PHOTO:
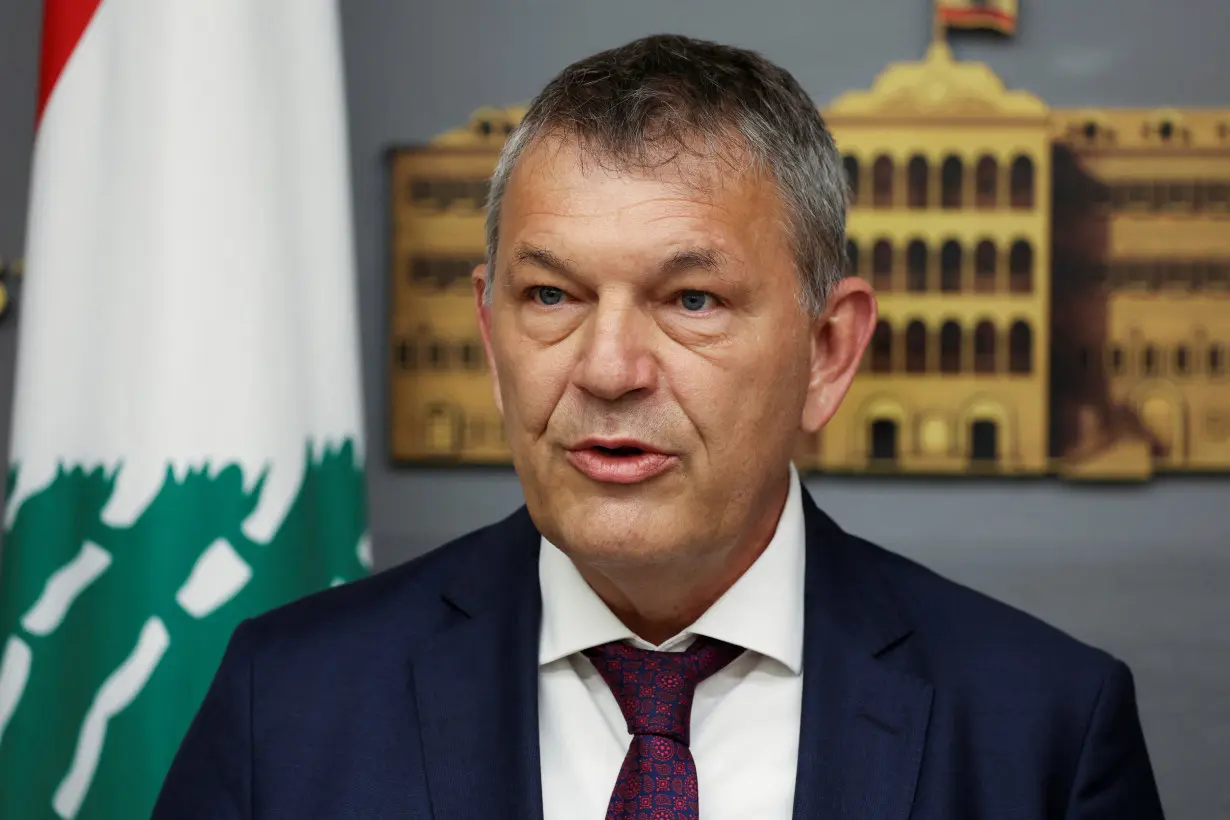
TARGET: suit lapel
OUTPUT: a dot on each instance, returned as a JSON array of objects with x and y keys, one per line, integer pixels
[
  {"x": 476, "y": 685},
  {"x": 864, "y": 720}
]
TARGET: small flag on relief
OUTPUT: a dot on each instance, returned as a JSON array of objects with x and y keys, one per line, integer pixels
[{"x": 996, "y": 15}]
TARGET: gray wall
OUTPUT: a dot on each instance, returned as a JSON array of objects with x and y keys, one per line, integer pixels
[
  {"x": 1143, "y": 572},
  {"x": 19, "y": 30}
]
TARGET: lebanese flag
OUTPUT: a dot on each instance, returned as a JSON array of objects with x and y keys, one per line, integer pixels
[
  {"x": 996, "y": 15},
  {"x": 187, "y": 436}
]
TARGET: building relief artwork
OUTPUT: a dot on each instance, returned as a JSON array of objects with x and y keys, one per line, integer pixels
[{"x": 1054, "y": 285}]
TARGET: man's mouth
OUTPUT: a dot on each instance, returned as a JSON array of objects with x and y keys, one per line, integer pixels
[
  {"x": 618, "y": 451},
  {"x": 619, "y": 461}
]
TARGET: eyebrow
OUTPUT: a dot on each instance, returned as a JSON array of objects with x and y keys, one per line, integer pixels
[
  {"x": 706, "y": 259},
  {"x": 525, "y": 254}
]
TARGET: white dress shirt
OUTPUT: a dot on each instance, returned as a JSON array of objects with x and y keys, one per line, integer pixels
[{"x": 745, "y": 718}]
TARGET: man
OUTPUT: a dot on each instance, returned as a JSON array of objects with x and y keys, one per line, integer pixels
[{"x": 670, "y": 628}]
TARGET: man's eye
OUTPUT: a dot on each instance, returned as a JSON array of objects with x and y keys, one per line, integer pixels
[
  {"x": 547, "y": 295},
  {"x": 696, "y": 300}
]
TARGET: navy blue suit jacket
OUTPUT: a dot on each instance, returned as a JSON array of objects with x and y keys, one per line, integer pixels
[{"x": 413, "y": 694}]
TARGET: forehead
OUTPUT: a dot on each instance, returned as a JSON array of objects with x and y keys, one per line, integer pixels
[{"x": 560, "y": 191}]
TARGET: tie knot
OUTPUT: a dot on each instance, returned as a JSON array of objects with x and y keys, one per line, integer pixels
[{"x": 655, "y": 689}]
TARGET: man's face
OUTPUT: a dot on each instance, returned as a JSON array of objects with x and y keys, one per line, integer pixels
[{"x": 650, "y": 353}]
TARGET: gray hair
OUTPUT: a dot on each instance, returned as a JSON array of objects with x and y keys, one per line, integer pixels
[{"x": 644, "y": 103}]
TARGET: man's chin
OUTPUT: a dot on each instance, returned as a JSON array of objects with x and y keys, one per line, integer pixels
[{"x": 624, "y": 529}]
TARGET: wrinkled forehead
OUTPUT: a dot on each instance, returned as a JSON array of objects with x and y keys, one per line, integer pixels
[{"x": 695, "y": 166}]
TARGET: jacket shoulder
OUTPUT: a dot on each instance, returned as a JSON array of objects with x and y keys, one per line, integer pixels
[
  {"x": 402, "y": 603},
  {"x": 1053, "y": 718},
  {"x": 966, "y": 633}
]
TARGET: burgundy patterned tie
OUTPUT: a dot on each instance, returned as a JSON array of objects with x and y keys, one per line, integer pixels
[{"x": 654, "y": 689}]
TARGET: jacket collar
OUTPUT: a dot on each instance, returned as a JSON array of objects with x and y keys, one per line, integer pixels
[
  {"x": 864, "y": 721},
  {"x": 476, "y": 681}
]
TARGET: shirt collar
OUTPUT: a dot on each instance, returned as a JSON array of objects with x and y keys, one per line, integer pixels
[{"x": 762, "y": 611}]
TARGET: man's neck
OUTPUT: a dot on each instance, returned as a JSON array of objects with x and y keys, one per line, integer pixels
[{"x": 659, "y": 601}]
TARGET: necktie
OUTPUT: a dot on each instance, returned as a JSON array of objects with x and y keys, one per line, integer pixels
[{"x": 654, "y": 689}]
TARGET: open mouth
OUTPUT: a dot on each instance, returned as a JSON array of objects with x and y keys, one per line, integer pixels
[
  {"x": 618, "y": 451},
  {"x": 620, "y": 463}
]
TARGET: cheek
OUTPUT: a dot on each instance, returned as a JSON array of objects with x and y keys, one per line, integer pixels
[
  {"x": 533, "y": 379},
  {"x": 739, "y": 395},
  {"x": 710, "y": 391}
]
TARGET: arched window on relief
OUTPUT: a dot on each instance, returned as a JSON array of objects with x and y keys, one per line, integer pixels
[
  {"x": 1093, "y": 132},
  {"x": 882, "y": 266},
  {"x": 986, "y": 182},
  {"x": 1149, "y": 361},
  {"x": 1020, "y": 348},
  {"x": 916, "y": 347},
  {"x": 1117, "y": 360},
  {"x": 952, "y": 182},
  {"x": 1021, "y": 183},
  {"x": 916, "y": 266},
  {"x": 850, "y": 163},
  {"x": 882, "y": 348},
  {"x": 950, "y": 348},
  {"x": 984, "y": 347},
  {"x": 1217, "y": 359},
  {"x": 985, "y": 258},
  {"x": 419, "y": 191},
  {"x": 472, "y": 355},
  {"x": 950, "y": 267},
  {"x": 449, "y": 192},
  {"x": 882, "y": 182},
  {"x": 852, "y": 268},
  {"x": 437, "y": 355},
  {"x": 407, "y": 354},
  {"x": 1182, "y": 361},
  {"x": 1021, "y": 267},
  {"x": 916, "y": 176}
]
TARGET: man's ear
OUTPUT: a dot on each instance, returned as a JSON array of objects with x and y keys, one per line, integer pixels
[
  {"x": 838, "y": 338},
  {"x": 482, "y": 312}
]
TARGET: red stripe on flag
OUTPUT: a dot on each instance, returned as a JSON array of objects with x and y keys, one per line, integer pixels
[
  {"x": 993, "y": 18},
  {"x": 64, "y": 22}
]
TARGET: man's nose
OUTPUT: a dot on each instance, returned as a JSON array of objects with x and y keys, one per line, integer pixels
[{"x": 618, "y": 357}]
